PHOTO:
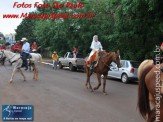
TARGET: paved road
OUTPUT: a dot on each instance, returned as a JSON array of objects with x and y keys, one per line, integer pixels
[{"x": 60, "y": 96}]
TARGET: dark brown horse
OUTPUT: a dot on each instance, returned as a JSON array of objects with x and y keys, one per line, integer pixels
[
  {"x": 150, "y": 91},
  {"x": 102, "y": 68}
]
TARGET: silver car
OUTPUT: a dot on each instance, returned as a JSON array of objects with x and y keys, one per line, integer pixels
[{"x": 126, "y": 73}]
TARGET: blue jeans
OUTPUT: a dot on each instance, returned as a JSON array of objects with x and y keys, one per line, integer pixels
[
  {"x": 54, "y": 64},
  {"x": 24, "y": 57}
]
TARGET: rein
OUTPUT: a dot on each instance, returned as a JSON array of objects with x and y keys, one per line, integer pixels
[
  {"x": 10, "y": 58},
  {"x": 106, "y": 63}
]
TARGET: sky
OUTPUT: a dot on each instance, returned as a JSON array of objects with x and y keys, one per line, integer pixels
[{"x": 7, "y": 25}]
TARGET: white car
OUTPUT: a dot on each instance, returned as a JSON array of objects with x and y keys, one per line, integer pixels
[{"x": 126, "y": 73}]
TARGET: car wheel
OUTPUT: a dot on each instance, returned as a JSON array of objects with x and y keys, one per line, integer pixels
[
  {"x": 60, "y": 65},
  {"x": 71, "y": 67},
  {"x": 124, "y": 78}
]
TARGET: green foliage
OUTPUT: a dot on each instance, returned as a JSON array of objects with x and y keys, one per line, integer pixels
[{"x": 133, "y": 26}]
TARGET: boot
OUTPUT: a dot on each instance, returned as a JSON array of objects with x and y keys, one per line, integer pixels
[{"x": 91, "y": 65}]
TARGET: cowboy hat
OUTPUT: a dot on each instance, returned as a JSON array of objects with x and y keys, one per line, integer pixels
[
  {"x": 54, "y": 52},
  {"x": 23, "y": 39}
]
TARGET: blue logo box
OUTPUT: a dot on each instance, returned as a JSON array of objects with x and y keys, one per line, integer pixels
[{"x": 17, "y": 112}]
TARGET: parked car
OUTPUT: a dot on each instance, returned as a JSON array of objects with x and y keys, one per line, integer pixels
[
  {"x": 126, "y": 73},
  {"x": 72, "y": 62}
]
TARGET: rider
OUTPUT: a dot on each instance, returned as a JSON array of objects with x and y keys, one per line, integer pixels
[
  {"x": 17, "y": 47},
  {"x": 95, "y": 46},
  {"x": 25, "y": 52},
  {"x": 34, "y": 47},
  {"x": 2, "y": 47}
]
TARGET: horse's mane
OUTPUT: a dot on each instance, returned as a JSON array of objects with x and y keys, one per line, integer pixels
[{"x": 107, "y": 54}]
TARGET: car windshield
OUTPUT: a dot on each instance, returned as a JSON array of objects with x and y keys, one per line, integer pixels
[{"x": 135, "y": 64}]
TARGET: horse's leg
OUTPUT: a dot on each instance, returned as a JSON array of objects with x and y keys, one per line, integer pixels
[
  {"x": 99, "y": 81},
  {"x": 36, "y": 77},
  {"x": 13, "y": 73},
  {"x": 22, "y": 74},
  {"x": 86, "y": 70},
  {"x": 89, "y": 75},
  {"x": 104, "y": 84},
  {"x": 34, "y": 74}
]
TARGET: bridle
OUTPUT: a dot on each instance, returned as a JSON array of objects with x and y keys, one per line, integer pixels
[
  {"x": 5, "y": 56},
  {"x": 106, "y": 63}
]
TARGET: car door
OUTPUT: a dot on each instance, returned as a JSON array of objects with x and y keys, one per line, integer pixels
[
  {"x": 64, "y": 59},
  {"x": 118, "y": 71},
  {"x": 113, "y": 68},
  {"x": 123, "y": 68},
  {"x": 69, "y": 58}
]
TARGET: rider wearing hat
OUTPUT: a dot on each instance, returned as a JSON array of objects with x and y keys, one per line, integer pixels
[
  {"x": 25, "y": 52},
  {"x": 55, "y": 58}
]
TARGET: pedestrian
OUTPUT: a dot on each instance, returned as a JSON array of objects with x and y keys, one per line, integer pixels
[
  {"x": 55, "y": 59},
  {"x": 25, "y": 52}
]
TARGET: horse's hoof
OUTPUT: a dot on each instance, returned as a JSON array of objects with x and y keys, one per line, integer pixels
[
  {"x": 10, "y": 82},
  {"x": 105, "y": 93},
  {"x": 91, "y": 90},
  {"x": 94, "y": 88}
]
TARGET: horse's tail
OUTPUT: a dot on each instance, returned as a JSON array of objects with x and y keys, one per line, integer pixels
[{"x": 143, "y": 93}]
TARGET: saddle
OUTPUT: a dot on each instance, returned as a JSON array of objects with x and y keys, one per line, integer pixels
[{"x": 96, "y": 56}]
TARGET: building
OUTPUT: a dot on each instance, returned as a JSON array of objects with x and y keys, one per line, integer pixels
[
  {"x": 10, "y": 38},
  {"x": 2, "y": 38}
]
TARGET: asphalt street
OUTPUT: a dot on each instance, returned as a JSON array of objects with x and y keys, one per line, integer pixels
[{"x": 60, "y": 96}]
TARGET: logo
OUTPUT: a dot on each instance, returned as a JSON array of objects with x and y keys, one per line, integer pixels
[{"x": 17, "y": 112}]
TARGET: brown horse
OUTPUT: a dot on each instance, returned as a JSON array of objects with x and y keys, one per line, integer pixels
[
  {"x": 150, "y": 80},
  {"x": 102, "y": 68}
]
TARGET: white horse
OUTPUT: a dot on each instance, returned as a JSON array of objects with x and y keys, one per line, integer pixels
[{"x": 15, "y": 58}]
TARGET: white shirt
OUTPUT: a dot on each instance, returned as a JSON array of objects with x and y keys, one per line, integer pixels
[
  {"x": 26, "y": 47},
  {"x": 95, "y": 46}
]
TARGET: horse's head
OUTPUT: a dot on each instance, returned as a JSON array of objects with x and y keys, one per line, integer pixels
[
  {"x": 117, "y": 58},
  {"x": 2, "y": 55}
]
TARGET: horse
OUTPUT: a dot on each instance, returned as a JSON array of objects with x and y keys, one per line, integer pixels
[
  {"x": 102, "y": 67},
  {"x": 150, "y": 91},
  {"x": 15, "y": 58}
]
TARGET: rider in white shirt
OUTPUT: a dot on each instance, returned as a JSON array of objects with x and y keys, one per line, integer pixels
[
  {"x": 25, "y": 52},
  {"x": 95, "y": 46}
]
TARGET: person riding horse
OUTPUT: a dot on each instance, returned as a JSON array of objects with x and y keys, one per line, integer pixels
[
  {"x": 96, "y": 47},
  {"x": 25, "y": 52}
]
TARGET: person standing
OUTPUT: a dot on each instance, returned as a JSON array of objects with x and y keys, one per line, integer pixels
[
  {"x": 25, "y": 52},
  {"x": 55, "y": 58}
]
